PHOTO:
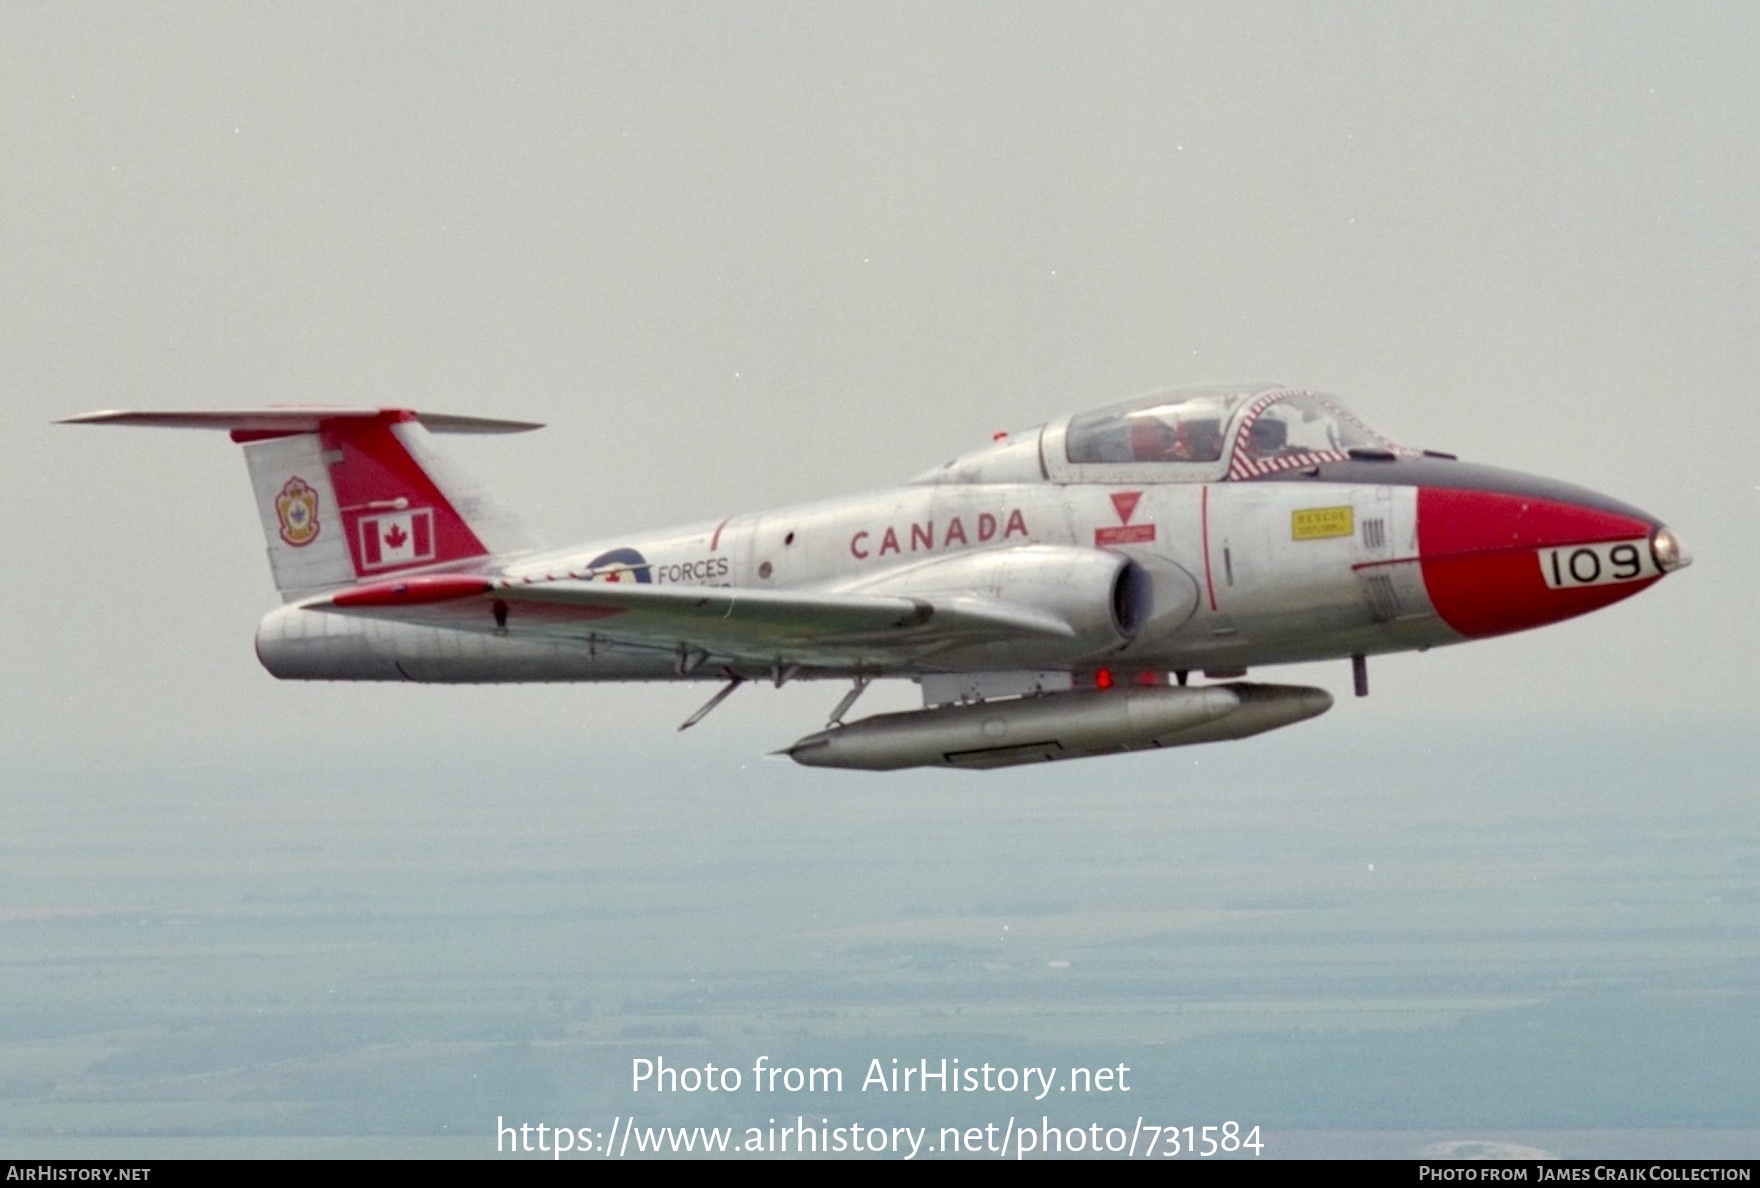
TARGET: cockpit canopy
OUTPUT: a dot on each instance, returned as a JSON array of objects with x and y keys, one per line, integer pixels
[
  {"x": 1171, "y": 427},
  {"x": 1188, "y": 435}
]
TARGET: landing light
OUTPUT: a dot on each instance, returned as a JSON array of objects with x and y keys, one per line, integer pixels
[{"x": 1670, "y": 554}]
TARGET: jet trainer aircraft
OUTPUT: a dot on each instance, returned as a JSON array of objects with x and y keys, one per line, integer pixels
[{"x": 1052, "y": 593}]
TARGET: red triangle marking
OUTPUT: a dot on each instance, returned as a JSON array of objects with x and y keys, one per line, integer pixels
[{"x": 1125, "y": 502}]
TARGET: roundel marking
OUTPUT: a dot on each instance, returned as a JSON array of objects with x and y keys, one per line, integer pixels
[{"x": 620, "y": 565}]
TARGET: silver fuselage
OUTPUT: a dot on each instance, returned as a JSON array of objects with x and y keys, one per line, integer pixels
[{"x": 1231, "y": 586}]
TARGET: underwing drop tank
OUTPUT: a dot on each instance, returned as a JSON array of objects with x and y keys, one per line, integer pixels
[{"x": 1070, "y": 725}]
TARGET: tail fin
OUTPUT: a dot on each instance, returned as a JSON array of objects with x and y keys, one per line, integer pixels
[{"x": 347, "y": 494}]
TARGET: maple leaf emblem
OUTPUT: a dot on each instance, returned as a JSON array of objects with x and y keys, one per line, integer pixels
[{"x": 396, "y": 536}]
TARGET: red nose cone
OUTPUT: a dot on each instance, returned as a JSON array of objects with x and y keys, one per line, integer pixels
[{"x": 1497, "y": 561}]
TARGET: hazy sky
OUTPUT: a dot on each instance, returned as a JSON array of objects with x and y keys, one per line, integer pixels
[{"x": 739, "y": 255}]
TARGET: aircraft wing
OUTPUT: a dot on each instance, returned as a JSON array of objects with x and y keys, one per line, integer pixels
[
  {"x": 729, "y": 622},
  {"x": 781, "y": 614}
]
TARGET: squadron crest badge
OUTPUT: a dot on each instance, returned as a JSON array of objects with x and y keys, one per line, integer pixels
[{"x": 297, "y": 509}]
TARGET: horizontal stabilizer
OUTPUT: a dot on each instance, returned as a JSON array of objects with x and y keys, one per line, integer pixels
[
  {"x": 296, "y": 419},
  {"x": 350, "y": 495}
]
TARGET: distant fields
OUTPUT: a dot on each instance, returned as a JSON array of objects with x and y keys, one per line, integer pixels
[{"x": 238, "y": 956}]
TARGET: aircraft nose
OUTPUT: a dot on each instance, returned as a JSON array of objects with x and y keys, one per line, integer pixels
[{"x": 1504, "y": 552}]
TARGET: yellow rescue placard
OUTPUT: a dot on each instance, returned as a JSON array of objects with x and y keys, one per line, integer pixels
[{"x": 1315, "y": 523}]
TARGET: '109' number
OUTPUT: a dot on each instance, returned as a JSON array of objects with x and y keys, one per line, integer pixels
[{"x": 1597, "y": 565}]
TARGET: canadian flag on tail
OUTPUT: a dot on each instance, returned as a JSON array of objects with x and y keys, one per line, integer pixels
[{"x": 399, "y": 538}]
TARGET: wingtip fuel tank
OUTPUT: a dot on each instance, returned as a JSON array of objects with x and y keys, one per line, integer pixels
[{"x": 1055, "y": 726}]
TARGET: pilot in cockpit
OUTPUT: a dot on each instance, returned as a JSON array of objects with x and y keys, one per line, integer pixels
[
  {"x": 1178, "y": 440},
  {"x": 1203, "y": 440},
  {"x": 1268, "y": 437}
]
